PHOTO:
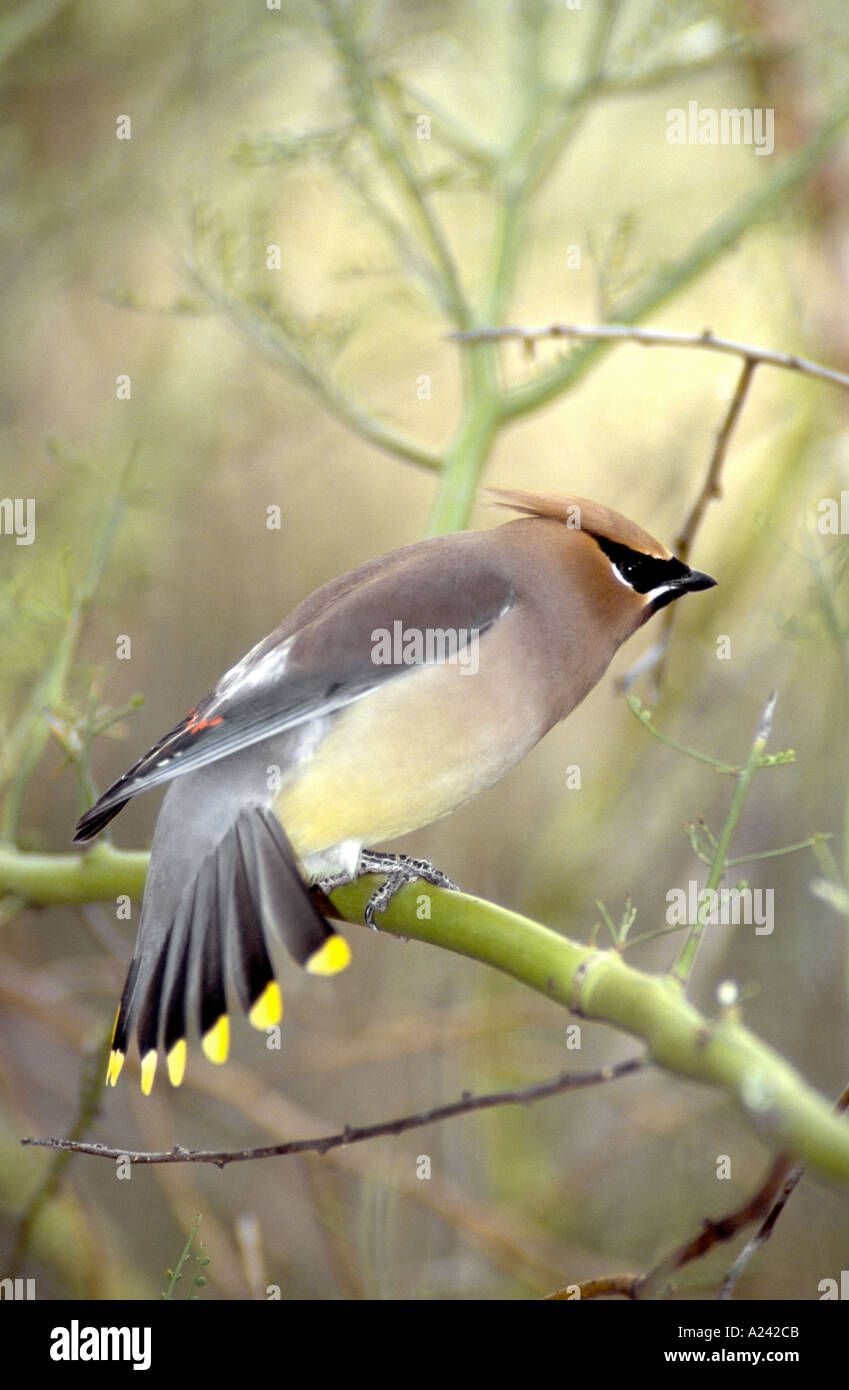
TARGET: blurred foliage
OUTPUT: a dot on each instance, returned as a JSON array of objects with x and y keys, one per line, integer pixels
[{"x": 299, "y": 128}]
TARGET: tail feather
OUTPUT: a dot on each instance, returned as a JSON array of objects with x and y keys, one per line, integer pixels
[
  {"x": 173, "y": 1003},
  {"x": 147, "y": 1026},
  {"x": 305, "y": 933},
  {"x": 208, "y": 965},
  {"x": 250, "y": 966},
  {"x": 247, "y": 887}
]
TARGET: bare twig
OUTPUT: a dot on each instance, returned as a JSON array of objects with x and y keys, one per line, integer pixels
[
  {"x": 635, "y": 1286},
  {"x": 714, "y": 1232},
  {"x": 762, "y": 1234},
  {"x": 567, "y": 1081},
  {"x": 711, "y": 486},
  {"x": 654, "y": 337},
  {"x": 710, "y": 490}
]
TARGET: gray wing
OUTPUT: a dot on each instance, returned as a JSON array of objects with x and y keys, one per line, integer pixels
[{"x": 299, "y": 673}]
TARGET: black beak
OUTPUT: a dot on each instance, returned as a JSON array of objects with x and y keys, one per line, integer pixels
[
  {"x": 694, "y": 579},
  {"x": 686, "y": 582}
]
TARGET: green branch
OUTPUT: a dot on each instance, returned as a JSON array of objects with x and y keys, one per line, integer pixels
[
  {"x": 466, "y": 455},
  {"x": 593, "y": 983},
  {"x": 599, "y": 985},
  {"x": 48, "y": 880}
]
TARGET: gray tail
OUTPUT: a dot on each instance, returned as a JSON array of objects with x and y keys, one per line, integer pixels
[{"x": 246, "y": 889}]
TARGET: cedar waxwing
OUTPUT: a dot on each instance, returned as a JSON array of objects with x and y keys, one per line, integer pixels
[{"x": 389, "y": 698}]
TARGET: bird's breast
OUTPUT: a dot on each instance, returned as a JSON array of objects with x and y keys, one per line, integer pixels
[{"x": 414, "y": 749}]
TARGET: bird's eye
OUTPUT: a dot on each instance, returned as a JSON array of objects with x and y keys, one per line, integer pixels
[
  {"x": 627, "y": 567},
  {"x": 642, "y": 572}
]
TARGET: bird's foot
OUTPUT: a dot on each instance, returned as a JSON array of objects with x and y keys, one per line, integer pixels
[{"x": 399, "y": 869}]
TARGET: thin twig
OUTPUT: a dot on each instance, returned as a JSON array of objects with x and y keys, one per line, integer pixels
[
  {"x": 762, "y": 1234},
  {"x": 683, "y": 967},
  {"x": 710, "y": 490},
  {"x": 636, "y": 1286},
  {"x": 715, "y": 1232},
  {"x": 567, "y": 1081},
  {"x": 654, "y": 337},
  {"x": 711, "y": 487}
]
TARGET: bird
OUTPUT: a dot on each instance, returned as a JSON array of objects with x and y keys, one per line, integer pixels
[{"x": 387, "y": 699}]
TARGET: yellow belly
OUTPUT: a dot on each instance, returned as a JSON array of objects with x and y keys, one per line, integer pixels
[{"x": 411, "y": 751}]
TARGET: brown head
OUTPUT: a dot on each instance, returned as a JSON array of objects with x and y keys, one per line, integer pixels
[{"x": 621, "y": 554}]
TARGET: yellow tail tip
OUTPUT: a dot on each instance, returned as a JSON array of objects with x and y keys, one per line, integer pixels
[
  {"x": 176, "y": 1061},
  {"x": 216, "y": 1042},
  {"x": 268, "y": 1008},
  {"x": 113, "y": 1071},
  {"x": 148, "y": 1071},
  {"x": 330, "y": 958}
]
